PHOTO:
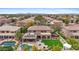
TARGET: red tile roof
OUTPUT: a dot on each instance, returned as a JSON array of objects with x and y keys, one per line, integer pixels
[
  {"x": 72, "y": 27},
  {"x": 39, "y": 28}
]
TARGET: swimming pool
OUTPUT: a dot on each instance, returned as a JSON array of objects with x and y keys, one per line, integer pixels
[
  {"x": 8, "y": 43},
  {"x": 26, "y": 47}
]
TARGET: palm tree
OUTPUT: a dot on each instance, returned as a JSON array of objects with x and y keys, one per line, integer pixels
[{"x": 19, "y": 36}]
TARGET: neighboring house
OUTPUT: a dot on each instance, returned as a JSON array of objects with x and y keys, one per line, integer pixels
[
  {"x": 25, "y": 22},
  {"x": 56, "y": 24},
  {"x": 48, "y": 18},
  {"x": 8, "y": 32},
  {"x": 72, "y": 21},
  {"x": 38, "y": 32},
  {"x": 4, "y": 20},
  {"x": 71, "y": 31}
]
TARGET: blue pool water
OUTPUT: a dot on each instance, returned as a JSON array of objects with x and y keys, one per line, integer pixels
[{"x": 9, "y": 43}]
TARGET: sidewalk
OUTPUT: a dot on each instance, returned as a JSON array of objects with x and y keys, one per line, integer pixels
[{"x": 61, "y": 39}]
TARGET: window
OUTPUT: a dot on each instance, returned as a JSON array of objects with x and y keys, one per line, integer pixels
[
  {"x": 2, "y": 31},
  {"x": 1, "y": 37},
  {"x": 34, "y": 31},
  {"x": 9, "y": 36},
  {"x": 74, "y": 31},
  {"x": 72, "y": 21},
  {"x": 48, "y": 36},
  {"x": 76, "y": 37},
  {"x": 12, "y": 37},
  {"x": 7, "y": 31},
  {"x": 5, "y": 37},
  {"x": 38, "y": 37},
  {"x": 43, "y": 31},
  {"x": 12, "y": 32}
]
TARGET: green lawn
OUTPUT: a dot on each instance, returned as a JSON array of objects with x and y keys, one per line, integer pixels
[{"x": 51, "y": 43}]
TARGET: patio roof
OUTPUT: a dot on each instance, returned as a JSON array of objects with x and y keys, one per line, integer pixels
[
  {"x": 45, "y": 33},
  {"x": 7, "y": 34}
]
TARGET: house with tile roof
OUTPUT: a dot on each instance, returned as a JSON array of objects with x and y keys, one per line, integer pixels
[
  {"x": 38, "y": 32},
  {"x": 71, "y": 31},
  {"x": 25, "y": 22},
  {"x": 4, "y": 20},
  {"x": 8, "y": 32}
]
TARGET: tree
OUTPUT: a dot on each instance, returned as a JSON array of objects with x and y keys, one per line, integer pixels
[
  {"x": 30, "y": 23},
  {"x": 74, "y": 42},
  {"x": 56, "y": 48},
  {"x": 40, "y": 20},
  {"x": 27, "y": 16},
  {"x": 34, "y": 48},
  {"x": 23, "y": 30},
  {"x": 19, "y": 35},
  {"x": 57, "y": 29},
  {"x": 77, "y": 20},
  {"x": 39, "y": 17},
  {"x": 21, "y": 18},
  {"x": 13, "y": 20},
  {"x": 66, "y": 21}
]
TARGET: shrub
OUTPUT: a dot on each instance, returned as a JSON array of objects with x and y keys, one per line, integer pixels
[
  {"x": 6, "y": 48},
  {"x": 74, "y": 43},
  {"x": 56, "y": 48}
]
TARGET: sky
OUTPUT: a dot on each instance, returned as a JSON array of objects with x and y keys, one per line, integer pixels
[{"x": 39, "y": 10}]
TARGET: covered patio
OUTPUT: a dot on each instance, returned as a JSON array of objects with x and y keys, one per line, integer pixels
[
  {"x": 30, "y": 37},
  {"x": 44, "y": 35},
  {"x": 7, "y": 36}
]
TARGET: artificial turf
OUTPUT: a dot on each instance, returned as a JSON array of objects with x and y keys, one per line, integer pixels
[{"x": 51, "y": 43}]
